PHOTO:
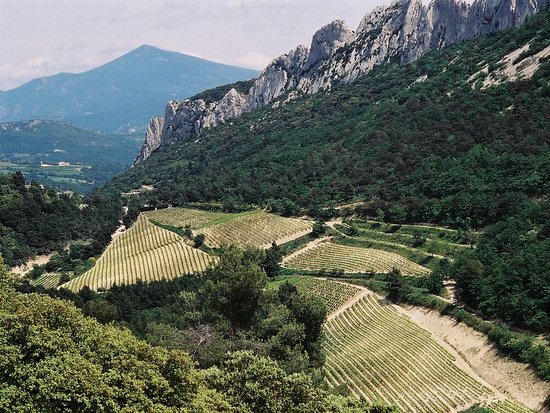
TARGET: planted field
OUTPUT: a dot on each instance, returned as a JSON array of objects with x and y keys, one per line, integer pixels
[
  {"x": 247, "y": 229},
  {"x": 333, "y": 294},
  {"x": 438, "y": 241},
  {"x": 258, "y": 229},
  {"x": 144, "y": 252},
  {"x": 384, "y": 357},
  {"x": 50, "y": 280},
  {"x": 329, "y": 256},
  {"x": 195, "y": 218},
  {"x": 507, "y": 406}
]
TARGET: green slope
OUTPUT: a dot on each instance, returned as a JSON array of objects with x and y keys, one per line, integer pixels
[{"x": 439, "y": 148}]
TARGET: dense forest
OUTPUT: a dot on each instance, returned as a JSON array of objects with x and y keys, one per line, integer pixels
[
  {"x": 508, "y": 275},
  {"x": 36, "y": 220}
]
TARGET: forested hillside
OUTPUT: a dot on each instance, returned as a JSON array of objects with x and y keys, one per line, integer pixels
[
  {"x": 421, "y": 136},
  {"x": 447, "y": 139},
  {"x": 36, "y": 220}
]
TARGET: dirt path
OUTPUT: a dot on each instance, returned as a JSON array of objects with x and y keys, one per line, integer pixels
[
  {"x": 21, "y": 270},
  {"x": 288, "y": 238},
  {"x": 511, "y": 378},
  {"x": 307, "y": 247},
  {"x": 360, "y": 294},
  {"x": 473, "y": 354}
]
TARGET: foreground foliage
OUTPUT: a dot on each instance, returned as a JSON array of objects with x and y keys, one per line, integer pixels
[{"x": 55, "y": 359}]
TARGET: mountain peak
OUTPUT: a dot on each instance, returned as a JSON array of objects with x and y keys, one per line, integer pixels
[{"x": 121, "y": 95}]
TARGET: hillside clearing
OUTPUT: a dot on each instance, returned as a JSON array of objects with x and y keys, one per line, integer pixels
[
  {"x": 329, "y": 256},
  {"x": 144, "y": 252},
  {"x": 257, "y": 229}
]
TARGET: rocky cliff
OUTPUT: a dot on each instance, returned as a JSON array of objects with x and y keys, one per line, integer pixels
[{"x": 400, "y": 32}]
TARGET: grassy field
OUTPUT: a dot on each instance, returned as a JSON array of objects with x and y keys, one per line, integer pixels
[
  {"x": 384, "y": 357},
  {"x": 144, "y": 252},
  {"x": 67, "y": 177},
  {"x": 429, "y": 240},
  {"x": 246, "y": 229},
  {"x": 329, "y": 256}
]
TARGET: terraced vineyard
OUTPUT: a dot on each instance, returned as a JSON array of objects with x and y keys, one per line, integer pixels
[
  {"x": 144, "y": 252},
  {"x": 333, "y": 294},
  {"x": 350, "y": 259},
  {"x": 50, "y": 280},
  {"x": 384, "y": 357},
  {"x": 195, "y": 218},
  {"x": 429, "y": 240},
  {"x": 248, "y": 229},
  {"x": 507, "y": 406}
]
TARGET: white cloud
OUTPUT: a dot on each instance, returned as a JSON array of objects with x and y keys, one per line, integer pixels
[{"x": 254, "y": 60}]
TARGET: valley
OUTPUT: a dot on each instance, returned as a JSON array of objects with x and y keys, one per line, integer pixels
[{"x": 361, "y": 227}]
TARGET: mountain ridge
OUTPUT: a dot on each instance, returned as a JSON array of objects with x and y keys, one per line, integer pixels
[
  {"x": 120, "y": 95},
  {"x": 400, "y": 32}
]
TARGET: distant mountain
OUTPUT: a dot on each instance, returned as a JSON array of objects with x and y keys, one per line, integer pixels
[
  {"x": 63, "y": 156},
  {"x": 121, "y": 95}
]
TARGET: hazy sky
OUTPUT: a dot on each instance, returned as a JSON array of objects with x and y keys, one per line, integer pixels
[{"x": 44, "y": 37}]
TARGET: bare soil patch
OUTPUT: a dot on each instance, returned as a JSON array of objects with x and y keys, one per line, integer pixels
[{"x": 513, "y": 379}]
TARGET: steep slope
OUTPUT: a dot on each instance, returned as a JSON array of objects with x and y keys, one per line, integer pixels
[
  {"x": 118, "y": 96},
  {"x": 400, "y": 33},
  {"x": 423, "y": 141}
]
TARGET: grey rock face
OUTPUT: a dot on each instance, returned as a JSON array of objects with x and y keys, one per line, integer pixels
[
  {"x": 400, "y": 32},
  {"x": 152, "y": 138},
  {"x": 325, "y": 42}
]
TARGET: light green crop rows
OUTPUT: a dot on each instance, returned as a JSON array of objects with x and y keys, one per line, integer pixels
[
  {"x": 333, "y": 294},
  {"x": 255, "y": 230},
  {"x": 145, "y": 252},
  {"x": 195, "y": 218},
  {"x": 384, "y": 357},
  {"x": 50, "y": 280},
  {"x": 330, "y": 256},
  {"x": 247, "y": 229},
  {"x": 507, "y": 406}
]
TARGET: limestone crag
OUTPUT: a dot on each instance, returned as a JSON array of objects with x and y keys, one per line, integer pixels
[
  {"x": 400, "y": 32},
  {"x": 153, "y": 138}
]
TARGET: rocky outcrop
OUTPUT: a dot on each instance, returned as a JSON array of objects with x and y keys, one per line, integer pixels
[
  {"x": 400, "y": 32},
  {"x": 153, "y": 138}
]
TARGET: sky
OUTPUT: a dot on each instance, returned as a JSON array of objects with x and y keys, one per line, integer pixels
[{"x": 44, "y": 37}]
